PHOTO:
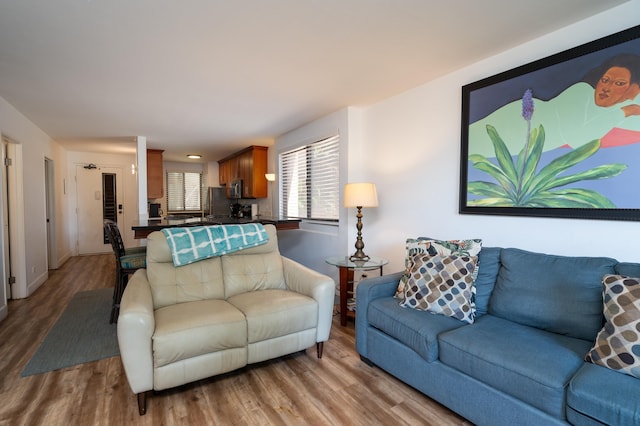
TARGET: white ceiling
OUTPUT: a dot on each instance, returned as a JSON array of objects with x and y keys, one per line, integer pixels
[{"x": 213, "y": 76}]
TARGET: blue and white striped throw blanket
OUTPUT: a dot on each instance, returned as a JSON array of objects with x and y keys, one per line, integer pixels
[{"x": 191, "y": 244}]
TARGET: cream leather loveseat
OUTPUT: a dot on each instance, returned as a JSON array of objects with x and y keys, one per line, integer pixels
[{"x": 182, "y": 324}]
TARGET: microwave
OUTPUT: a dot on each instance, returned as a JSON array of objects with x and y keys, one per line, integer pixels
[{"x": 235, "y": 189}]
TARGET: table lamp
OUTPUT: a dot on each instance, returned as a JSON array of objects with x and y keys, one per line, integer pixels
[{"x": 360, "y": 195}]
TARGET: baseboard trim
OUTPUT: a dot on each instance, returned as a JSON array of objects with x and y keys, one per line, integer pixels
[{"x": 32, "y": 287}]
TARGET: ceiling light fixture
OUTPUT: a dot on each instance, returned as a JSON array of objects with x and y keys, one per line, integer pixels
[{"x": 194, "y": 156}]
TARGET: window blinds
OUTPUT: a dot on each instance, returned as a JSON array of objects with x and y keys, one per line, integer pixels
[
  {"x": 310, "y": 180},
  {"x": 184, "y": 192}
]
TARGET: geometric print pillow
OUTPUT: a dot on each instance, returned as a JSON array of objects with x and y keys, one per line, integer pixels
[
  {"x": 617, "y": 345},
  {"x": 432, "y": 246},
  {"x": 442, "y": 285}
]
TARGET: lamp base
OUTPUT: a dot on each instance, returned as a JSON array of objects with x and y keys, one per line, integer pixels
[{"x": 359, "y": 256}]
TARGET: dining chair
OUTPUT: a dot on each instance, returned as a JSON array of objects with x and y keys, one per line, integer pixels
[{"x": 128, "y": 260}]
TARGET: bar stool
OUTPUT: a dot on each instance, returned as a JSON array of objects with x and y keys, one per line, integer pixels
[{"x": 127, "y": 262}]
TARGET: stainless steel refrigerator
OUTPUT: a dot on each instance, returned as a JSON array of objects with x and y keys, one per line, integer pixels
[{"x": 216, "y": 203}]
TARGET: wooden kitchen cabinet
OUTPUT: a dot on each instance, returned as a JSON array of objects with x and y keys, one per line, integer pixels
[
  {"x": 250, "y": 165},
  {"x": 224, "y": 173},
  {"x": 245, "y": 172},
  {"x": 154, "y": 174}
]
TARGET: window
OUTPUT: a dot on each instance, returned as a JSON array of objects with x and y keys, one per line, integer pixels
[
  {"x": 310, "y": 181},
  {"x": 184, "y": 192}
]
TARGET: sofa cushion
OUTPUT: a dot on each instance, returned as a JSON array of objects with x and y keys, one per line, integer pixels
[
  {"x": 554, "y": 293},
  {"x": 270, "y": 247},
  {"x": 198, "y": 281},
  {"x": 617, "y": 345},
  {"x": 186, "y": 330},
  {"x": 489, "y": 258},
  {"x": 134, "y": 260},
  {"x": 158, "y": 248},
  {"x": 442, "y": 284},
  {"x": 628, "y": 268},
  {"x": 606, "y": 396},
  {"x": 425, "y": 245},
  {"x": 252, "y": 272},
  {"x": 527, "y": 363},
  {"x": 275, "y": 313},
  {"x": 417, "y": 329},
  {"x": 171, "y": 285}
]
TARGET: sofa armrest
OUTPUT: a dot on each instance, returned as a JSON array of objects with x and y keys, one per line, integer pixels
[
  {"x": 318, "y": 286},
  {"x": 136, "y": 325},
  {"x": 367, "y": 291}
]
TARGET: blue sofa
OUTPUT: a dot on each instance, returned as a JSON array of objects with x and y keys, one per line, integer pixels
[{"x": 522, "y": 361}]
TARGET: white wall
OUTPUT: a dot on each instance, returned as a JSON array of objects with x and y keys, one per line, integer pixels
[
  {"x": 213, "y": 173},
  {"x": 412, "y": 148},
  {"x": 36, "y": 146},
  {"x": 129, "y": 187},
  {"x": 59, "y": 157},
  {"x": 313, "y": 242}
]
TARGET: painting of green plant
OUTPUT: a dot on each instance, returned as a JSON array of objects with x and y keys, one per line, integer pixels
[{"x": 519, "y": 182}]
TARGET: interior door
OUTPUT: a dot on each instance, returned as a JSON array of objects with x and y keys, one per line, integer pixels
[
  {"x": 52, "y": 262},
  {"x": 94, "y": 202},
  {"x": 5, "y": 265}
]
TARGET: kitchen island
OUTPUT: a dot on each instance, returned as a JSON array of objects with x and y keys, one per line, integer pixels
[{"x": 142, "y": 228}]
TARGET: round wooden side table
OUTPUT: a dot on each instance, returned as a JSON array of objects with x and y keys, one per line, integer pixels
[{"x": 347, "y": 267}]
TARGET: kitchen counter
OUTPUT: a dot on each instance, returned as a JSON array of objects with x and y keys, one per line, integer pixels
[{"x": 143, "y": 228}]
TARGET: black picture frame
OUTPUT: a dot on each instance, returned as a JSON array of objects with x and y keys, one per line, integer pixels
[{"x": 560, "y": 93}]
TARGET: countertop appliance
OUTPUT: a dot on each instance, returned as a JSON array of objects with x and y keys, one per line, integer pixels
[
  {"x": 216, "y": 203},
  {"x": 240, "y": 210},
  {"x": 236, "y": 210},
  {"x": 154, "y": 210}
]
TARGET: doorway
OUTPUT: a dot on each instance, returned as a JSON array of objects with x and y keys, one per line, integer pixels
[
  {"x": 7, "y": 276},
  {"x": 13, "y": 235},
  {"x": 99, "y": 196},
  {"x": 50, "y": 219}
]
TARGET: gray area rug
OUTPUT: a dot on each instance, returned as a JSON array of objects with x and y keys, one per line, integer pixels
[{"x": 82, "y": 334}]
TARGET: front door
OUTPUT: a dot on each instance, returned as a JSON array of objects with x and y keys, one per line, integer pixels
[{"x": 99, "y": 196}]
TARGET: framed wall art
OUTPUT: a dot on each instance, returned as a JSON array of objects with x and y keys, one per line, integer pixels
[{"x": 558, "y": 137}]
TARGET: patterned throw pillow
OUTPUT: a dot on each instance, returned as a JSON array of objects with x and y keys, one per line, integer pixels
[
  {"x": 442, "y": 285},
  {"x": 430, "y": 246},
  {"x": 617, "y": 345}
]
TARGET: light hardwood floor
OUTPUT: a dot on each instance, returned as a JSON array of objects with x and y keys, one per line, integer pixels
[{"x": 299, "y": 389}]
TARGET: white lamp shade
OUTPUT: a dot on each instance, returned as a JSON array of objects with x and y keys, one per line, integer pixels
[
  {"x": 360, "y": 195},
  {"x": 270, "y": 176}
]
